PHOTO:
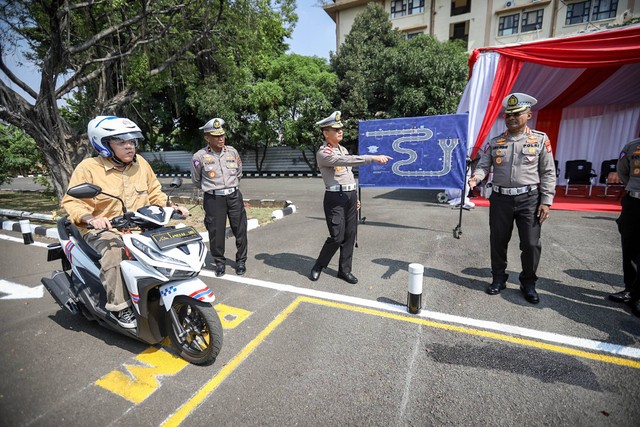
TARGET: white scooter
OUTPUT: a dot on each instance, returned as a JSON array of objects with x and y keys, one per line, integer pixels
[{"x": 161, "y": 277}]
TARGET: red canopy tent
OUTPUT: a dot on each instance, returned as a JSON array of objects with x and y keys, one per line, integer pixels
[{"x": 587, "y": 86}]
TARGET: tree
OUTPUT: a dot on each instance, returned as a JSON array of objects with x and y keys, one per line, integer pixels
[
  {"x": 296, "y": 91},
  {"x": 18, "y": 154},
  {"x": 105, "y": 54},
  {"x": 358, "y": 65},
  {"x": 382, "y": 75},
  {"x": 425, "y": 77}
]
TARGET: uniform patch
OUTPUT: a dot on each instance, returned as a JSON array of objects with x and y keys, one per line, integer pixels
[
  {"x": 328, "y": 150},
  {"x": 196, "y": 163},
  {"x": 547, "y": 145},
  {"x": 207, "y": 159},
  {"x": 212, "y": 174},
  {"x": 339, "y": 168},
  {"x": 622, "y": 154},
  {"x": 532, "y": 150},
  {"x": 500, "y": 152},
  {"x": 636, "y": 171},
  {"x": 499, "y": 160},
  {"x": 501, "y": 141}
]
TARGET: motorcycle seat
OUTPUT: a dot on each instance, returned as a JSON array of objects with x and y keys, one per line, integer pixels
[{"x": 65, "y": 227}]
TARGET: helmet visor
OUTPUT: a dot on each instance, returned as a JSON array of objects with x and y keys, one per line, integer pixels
[{"x": 126, "y": 136}]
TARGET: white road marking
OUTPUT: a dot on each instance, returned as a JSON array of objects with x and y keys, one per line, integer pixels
[{"x": 17, "y": 291}]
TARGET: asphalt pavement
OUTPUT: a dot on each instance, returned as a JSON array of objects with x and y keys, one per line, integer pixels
[{"x": 298, "y": 352}]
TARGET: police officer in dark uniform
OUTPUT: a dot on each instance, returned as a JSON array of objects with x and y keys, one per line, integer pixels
[
  {"x": 340, "y": 198},
  {"x": 523, "y": 187},
  {"x": 628, "y": 169},
  {"x": 217, "y": 169}
]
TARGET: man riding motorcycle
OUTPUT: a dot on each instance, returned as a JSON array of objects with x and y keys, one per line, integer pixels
[{"x": 122, "y": 173}]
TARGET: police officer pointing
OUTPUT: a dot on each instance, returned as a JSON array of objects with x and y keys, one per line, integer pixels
[
  {"x": 340, "y": 197},
  {"x": 523, "y": 186},
  {"x": 628, "y": 169},
  {"x": 217, "y": 169}
]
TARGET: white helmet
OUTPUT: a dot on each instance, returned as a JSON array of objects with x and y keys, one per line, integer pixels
[{"x": 103, "y": 129}]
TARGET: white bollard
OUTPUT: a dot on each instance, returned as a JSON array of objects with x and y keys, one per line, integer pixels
[
  {"x": 414, "y": 294},
  {"x": 25, "y": 229}
]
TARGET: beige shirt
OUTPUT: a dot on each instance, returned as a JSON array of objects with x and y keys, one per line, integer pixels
[
  {"x": 629, "y": 165},
  {"x": 137, "y": 186},
  {"x": 335, "y": 165},
  {"x": 520, "y": 160},
  {"x": 216, "y": 171}
]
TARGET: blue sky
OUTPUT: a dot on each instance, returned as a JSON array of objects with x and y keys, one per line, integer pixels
[{"x": 315, "y": 34}]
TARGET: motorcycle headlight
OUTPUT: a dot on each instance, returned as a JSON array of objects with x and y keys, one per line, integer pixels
[{"x": 155, "y": 255}]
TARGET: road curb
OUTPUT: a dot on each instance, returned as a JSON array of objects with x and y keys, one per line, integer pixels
[{"x": 52, "y": 232}]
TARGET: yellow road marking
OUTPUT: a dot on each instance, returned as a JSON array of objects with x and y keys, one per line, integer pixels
[
  {"x": 478, "y": 332},
  {"x": 230, "y": 317},
  {"x": 142, "y": 382},
  {"x": 185, "y": 410}
]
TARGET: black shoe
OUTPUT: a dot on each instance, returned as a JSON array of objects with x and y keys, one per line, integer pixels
[
  {"x": 635, "y": 307},
  {"x": 315, "y": 273},
  {"x": 530, "y": 294},
  {"x": 495, "y": 288},
  {"x": 622, "y": 296},
  {"x": 220, "y": 270},
  {"x": 240, "y": 268},
  {"x": 348, "y": 277}
]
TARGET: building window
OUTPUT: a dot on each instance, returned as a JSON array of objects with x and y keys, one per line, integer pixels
[
  {"x": 459, "y": 31},
  {"x": 578, "y": 13},
  {"x": 532, "y": 21},
  {"x": 458, "y": 7},
  {"x": 604, "y": 9},
  {"x": 416, "y": 6},
  {"x": 398, "y": 8},
  {"x": 508, "y": 25},
  {"x": 412, "y": 35}
]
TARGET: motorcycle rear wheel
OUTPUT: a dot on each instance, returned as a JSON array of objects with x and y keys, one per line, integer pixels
[{"x": 202, "y": 340}]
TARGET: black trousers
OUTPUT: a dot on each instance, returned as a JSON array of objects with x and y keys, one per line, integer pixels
[
  {"x": 217, "y": 209},
  {"x": 340, "y": 211},
  {"x": 503, "y": 210},
  {"x": 629, "y": 228}
]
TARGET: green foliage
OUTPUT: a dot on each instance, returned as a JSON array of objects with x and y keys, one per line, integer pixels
[
  {"x": 382, "y": 75},
  {"x": 425, "y": 77},
  {"x": 18, "y": 154}
]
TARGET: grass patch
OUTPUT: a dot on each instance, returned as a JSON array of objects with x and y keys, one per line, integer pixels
[{"x": 36, "y": 202}]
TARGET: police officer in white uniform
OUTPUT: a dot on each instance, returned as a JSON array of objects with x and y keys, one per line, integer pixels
[
  {"x": 628, "y": 169},
  {"x": 340, "y": 197},
  {"x": 217, "y": 169},
  {"x": 524, "y": 180}
]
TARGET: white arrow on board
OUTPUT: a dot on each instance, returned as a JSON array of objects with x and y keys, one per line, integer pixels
[{"x": 17, "y": 291}]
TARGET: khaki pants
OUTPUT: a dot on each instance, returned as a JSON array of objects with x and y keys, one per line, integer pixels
[{"x": 111, "y": 247}]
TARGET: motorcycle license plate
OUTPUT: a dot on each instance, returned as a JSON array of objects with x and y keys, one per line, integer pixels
[{"x": 171, "y": 238}]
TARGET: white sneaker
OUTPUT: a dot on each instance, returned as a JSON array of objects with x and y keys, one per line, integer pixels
[{"x": 125, "y": 318}]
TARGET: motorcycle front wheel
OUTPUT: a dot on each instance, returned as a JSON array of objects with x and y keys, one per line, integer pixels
[{"x": 198, "y": 338}]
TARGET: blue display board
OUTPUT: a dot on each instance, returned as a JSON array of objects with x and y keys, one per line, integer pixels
[{"x": 428, "y": 152}]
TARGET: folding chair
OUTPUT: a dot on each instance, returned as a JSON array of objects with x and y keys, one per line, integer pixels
[
  {"x": 578, "y": 173},
  {"x": 607, "y": 167}
]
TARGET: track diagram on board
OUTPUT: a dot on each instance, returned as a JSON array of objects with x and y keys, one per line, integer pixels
[{"x": 427, "y": 152}]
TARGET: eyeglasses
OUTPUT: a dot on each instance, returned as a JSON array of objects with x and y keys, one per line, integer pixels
[
  {"x": 120, "y": 143},
  {"x": 514, "y": 114}
]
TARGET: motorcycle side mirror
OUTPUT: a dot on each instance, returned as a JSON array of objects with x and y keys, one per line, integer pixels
[
  {"x": 176, "y": 182},
  {"x": 84, "y": 191}
]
